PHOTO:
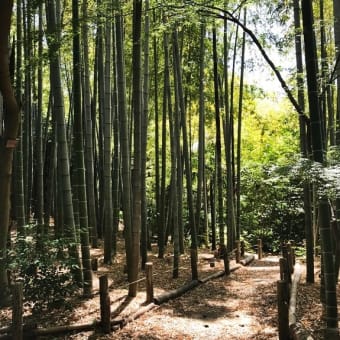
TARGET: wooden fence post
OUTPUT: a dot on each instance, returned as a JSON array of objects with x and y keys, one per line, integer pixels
[
  {"x": 242, "y": 248},
  {"x": 149, "y": 282},
  {"x": 290, "y": 254},
  {"x": 284, "y": 270},
  {"x": 238, "y": 251},
  {"x": 259, "y": 249},
  {"x": 226, "y": 263},
  {"x": 285, "y": 254},
  {"x": 283, "y": 306},
  {"x": 105, "y": 305},
  {"x": 17, "y": 313},
  {"x": 94, "y": 264}
]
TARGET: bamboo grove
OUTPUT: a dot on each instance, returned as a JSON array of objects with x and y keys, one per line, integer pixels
[{"x": 103, "y": 102}]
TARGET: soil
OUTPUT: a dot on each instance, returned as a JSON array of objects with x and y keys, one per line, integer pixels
[{"x": 240, "y": 306}]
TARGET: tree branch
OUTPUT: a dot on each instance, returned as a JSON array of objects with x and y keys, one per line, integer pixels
[{"x": 220, "y": 13}]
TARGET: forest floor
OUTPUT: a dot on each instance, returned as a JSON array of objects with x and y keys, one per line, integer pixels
[{"x": 240, "y": 306}]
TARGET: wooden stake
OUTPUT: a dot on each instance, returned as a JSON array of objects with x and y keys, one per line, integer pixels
[
  {"x": 105, "y": 309},
  {"x": 284, "y": 270},
  {"x": 259, "y": 249},
  {"x": 17, "y": 314},
  {"x": 283, "y": 305},
  {"x": 149, "y": 282},
  {"x": 226, "y": 263},
  {"x": 286, "y": 255},
  {"x": 290, "y": 255},
  {"x": 94, "y": 264},
  {"x": 242, "y": 248},
  {"x": 238, "y": 251}
]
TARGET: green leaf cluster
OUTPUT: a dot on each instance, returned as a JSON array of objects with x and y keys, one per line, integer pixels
[{"x": 45, "y": 270}]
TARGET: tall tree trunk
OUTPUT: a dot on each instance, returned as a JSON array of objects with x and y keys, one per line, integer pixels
[
  {"x": 218, "y": 148},
  {"x": 19, "y": 175},
  {"x": 63, "y": 152},
  {"x": 187, "y": 163},
  {"x": 144, "y": 131},
  {"x": 124, "y": 135},
  {"x": 89, "y": 161},
  {"x": 39, "y": 176},
  {"x": 176, "y": 208},
  {"x": 79, "y": 166},
  {"x": 157, "y": 172},
  {"x": 136, "y": 172},
  {"x": 318, "y": 156},
  {"x": 108, "y": 216},
  {"x": 336, "y": 14},
  {"x": 162, "y": 214},
  {"x": 239, "y": 134},
  {"x": 174, "y": 139},
  {"x": 201, "y": 143},
  {"x": 28, "y": 105},
  {"x": 326, "y": 95},
  {"x": 8, "y": 136},
  {"x": 213, "y": 211},
  {"x": 303, "y": 146},
  {"x": 101, "y": 106},
  {"x": 229, "y": 146},
  {"x": 116, "y": 180}
]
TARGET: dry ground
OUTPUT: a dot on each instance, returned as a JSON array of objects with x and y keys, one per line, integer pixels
[{"x": 240, "y": 306}]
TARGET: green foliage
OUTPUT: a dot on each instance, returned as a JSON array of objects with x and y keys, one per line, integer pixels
[
  {"x": 270, "y": 130},
  {"x": 325, "y": 179},
  {"x": 271, "y": 205},
  {"x": 272, "y": 198},
  {"x": 45, "y": 270}
]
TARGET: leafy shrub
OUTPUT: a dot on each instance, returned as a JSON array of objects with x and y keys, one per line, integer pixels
[
  {"x": 45, "y": 270},
  {"x": 271, "y": 206}
]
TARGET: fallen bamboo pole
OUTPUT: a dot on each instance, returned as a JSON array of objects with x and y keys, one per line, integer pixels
[
  {"x": 176, "y": 292},
  {"x": 293, "y": 294},
  {"x": 138, "y": 313},
  {"x": 247, "y": 260},
  {"x": 296, "y": 330},
  {"x": 34, "y": 331},
  {"x": 218, "y": 274}
]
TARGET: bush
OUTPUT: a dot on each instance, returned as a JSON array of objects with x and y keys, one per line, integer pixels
[
  {"x": 45, "y": 270},
  {"x": 271, "y": 207}
]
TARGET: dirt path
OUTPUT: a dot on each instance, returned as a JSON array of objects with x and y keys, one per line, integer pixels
[{"x": 242, "y": 306}]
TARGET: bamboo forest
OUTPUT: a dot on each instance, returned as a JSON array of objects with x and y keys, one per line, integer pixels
[{"x": 169, "y": 169}]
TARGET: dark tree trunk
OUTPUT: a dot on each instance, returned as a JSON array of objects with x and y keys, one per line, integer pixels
[
  {"x": 318, "y": 156},
  {"x": 8, "y": 137}
]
